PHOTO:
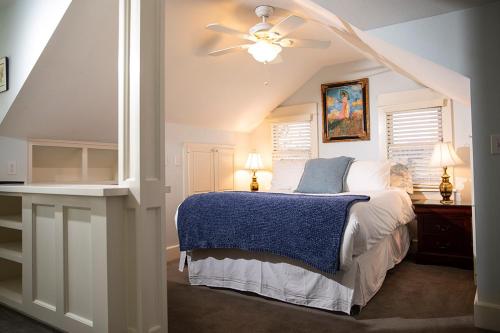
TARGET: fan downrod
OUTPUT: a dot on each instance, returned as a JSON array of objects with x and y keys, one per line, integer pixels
[
  {"x": 260, "y": 29},
  {"x": 264, "y": 12}
]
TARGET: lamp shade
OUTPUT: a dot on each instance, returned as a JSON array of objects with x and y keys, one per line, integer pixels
[
  {"x": 254, "y": 162},
  {"x": 264, "y": 51},
  {"x": 444, "y": 155}
]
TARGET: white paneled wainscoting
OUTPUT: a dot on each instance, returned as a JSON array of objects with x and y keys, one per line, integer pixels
[{"x": 60, "y": 248}]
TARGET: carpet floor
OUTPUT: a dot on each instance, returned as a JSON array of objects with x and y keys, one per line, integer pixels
[{"x": 414, "y": 298}]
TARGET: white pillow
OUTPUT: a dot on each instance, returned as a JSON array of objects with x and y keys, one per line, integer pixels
[
  {"x": 286, "y": 175},
  {"x": 368, "y": 176},
  {"x": 401, "y": 177}
]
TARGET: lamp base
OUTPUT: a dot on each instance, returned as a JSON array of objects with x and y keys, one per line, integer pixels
[
  {"x": 446, "y": 202},
  {"x": 254, "y": 186},
  {"x": 446, "y": 188}
]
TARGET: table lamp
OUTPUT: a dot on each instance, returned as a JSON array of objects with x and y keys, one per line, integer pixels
[
  {"x": 445, "y": 156},
  {"x": 254, "y": 163}
]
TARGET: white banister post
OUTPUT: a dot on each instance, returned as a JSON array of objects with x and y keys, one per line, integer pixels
[{"x": 142, "y": 161}]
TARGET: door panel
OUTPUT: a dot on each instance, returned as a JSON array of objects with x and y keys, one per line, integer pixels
[
  {"x": 209, "y": 168},
  {"x": 200, "y": 170},
  {"x": 224, "y": 170}
]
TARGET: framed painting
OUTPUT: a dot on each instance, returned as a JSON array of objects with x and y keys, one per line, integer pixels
[
  {"x": 4, "y": 74},
  {"x": 346, "y": 113}
]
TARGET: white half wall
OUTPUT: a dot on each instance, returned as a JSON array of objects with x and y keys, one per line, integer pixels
[
  {"x": 176, "y": 136},
  {"x": 25, "y": 28}
]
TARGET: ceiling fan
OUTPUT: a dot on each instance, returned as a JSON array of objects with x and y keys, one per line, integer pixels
[{"x": 268, "y": 40}]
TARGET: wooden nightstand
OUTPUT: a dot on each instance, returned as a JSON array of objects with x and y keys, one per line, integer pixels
[{"x": 444, "y": 233}]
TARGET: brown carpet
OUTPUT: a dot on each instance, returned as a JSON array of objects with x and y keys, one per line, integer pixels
[{"x": 414, "y": 298}]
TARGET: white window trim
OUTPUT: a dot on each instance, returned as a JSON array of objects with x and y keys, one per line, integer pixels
[
  {"x": 298, "y": 113},
  {"x": 414, "y": 100}
]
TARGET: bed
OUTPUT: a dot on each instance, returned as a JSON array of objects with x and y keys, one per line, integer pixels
[{"x": 375, "y": 239}]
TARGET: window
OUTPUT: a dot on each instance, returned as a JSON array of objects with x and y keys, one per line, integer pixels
[
  {"x": 411, "y": 135},
  {"x": 292, "y": 140}
]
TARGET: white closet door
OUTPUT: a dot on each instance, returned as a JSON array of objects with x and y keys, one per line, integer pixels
[
  {"x": 224, "y": 169},
  {"x": 200, "y": 169}
]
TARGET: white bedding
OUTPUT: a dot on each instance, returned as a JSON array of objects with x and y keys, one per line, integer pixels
[
  {"x": 375, "y": 240},
  {"x": 294, "y": 282},
  {"x": 370, "y": 222}
]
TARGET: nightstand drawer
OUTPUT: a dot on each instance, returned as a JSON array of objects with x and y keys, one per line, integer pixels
[
  {"x": 444, "y": 233},
  {"x": 446, "y": 245},
  {"x": 443, "y": 225}
]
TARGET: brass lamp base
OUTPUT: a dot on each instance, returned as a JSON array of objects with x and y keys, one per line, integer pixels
[
  {"x": 254, "y": 186},
  {"x": 446, "y": 188}
]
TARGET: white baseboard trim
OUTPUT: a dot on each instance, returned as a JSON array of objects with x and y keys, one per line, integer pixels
[
  {"x": 173, "y": 253},
  {"x": 486, "y": 315}
]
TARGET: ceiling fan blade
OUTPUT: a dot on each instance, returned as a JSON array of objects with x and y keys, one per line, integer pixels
[
  {"x": 288, "y": 25},
  {"x": 230, "y": 31},
  {"x": 230, "y": 50},
  {"x": 306, "y": 43}
]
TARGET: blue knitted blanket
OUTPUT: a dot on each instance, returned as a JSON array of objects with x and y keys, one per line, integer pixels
[{"x": 308, "y": 228}]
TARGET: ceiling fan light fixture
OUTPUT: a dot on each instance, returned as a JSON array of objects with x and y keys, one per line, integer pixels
[{"x": 264, "y": 51}]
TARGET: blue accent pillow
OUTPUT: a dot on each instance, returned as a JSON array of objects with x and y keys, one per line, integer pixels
[{"x": 325, "y": 175}]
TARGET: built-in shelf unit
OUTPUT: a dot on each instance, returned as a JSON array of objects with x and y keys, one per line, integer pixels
[
  {"x": 70, "y": 162},
  {"x": 11, "y": 249},
  {"x": 55, "y": 262}
]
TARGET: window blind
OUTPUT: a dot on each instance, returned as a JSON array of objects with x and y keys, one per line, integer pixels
[
  {"x": 292, "y": 140},
  {"x": 411, "y": 136}
]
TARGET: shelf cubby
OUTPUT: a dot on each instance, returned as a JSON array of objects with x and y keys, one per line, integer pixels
[
  {"x": 11, "y": 244},
  {"x": 71, "y": 162},
  {"x": 11, "y": 248},
  {"x": 102, "y": 165},
  {"x": 11, "y": 222},
  {"x": 11, "y": 281},
  {"x": 11, "y": 212},
  {"x": 55, "y": 164}
]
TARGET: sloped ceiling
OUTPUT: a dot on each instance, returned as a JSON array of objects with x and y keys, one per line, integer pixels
[
  {"x": 370, "y": 14},
  {"x": 234, "y": 92},
  {"x": 25, "y": 28},
  {"x": 71, "y": 93}
]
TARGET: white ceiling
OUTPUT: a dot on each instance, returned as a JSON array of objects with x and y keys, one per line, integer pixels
[
  {"x": 229, "y": 92},
  {"x": 369, "y": 14},
  {"x": 226, "y": 92}
]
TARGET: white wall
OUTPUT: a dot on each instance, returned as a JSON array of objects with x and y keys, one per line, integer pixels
[
  {"x": 380, "y": 81},
  {"x": 467, "y": 42},
  {"x": 13, "y": 150},
  {"x": 25, "y": 28},
  {"x": 72, "y": 93},
  {"x": 176, "y": 136}
]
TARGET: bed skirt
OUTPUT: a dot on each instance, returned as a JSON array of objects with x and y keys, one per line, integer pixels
[{"x": 293, "y": 282}]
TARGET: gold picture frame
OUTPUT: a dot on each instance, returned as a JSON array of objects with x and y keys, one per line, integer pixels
[
  {"x": 346, "y": 111},
  {"x": 4, "y": 74}
]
